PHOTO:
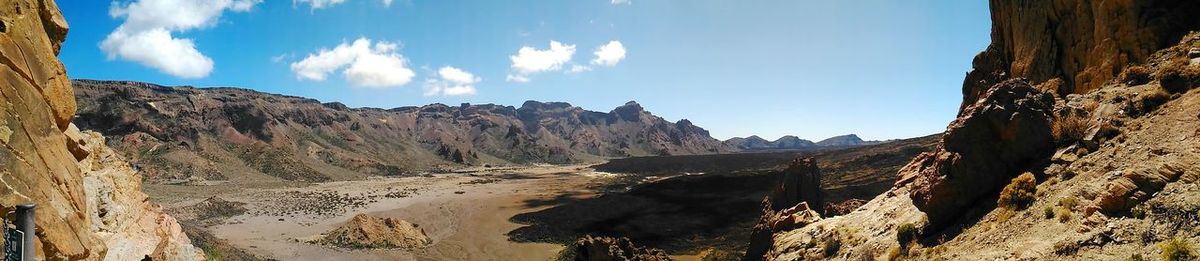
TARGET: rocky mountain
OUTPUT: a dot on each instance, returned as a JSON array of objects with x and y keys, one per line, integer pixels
[
  {"x": 789, "y": 142},
  {"x": 1075, "y": 141},
  {"x": 179, "y": 133},
  {"x": 89, "y": 203}
]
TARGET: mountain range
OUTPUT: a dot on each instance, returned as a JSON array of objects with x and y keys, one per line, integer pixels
[{"x": 789, "y": 142}]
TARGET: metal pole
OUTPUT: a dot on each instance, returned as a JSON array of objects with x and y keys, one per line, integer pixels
[{"x": 24, "y": 222}]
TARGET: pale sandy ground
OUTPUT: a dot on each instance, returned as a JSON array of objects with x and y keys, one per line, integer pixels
[{"x": 467, "y": 226}]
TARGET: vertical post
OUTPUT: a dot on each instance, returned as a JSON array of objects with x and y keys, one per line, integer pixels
[{"x": 24, "y": 222}]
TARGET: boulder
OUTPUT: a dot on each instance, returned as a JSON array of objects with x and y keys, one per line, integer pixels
[
  {"x": 1002, "y": 134},
  {"x": 1134, "y": 187},
  {"x": 788, "y": 206},
  {"x": 591, "y": 248},
  {"x": 365, "y": 231}
]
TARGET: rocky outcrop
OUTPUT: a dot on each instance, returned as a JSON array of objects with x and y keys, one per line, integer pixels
[
  {"x": 366, "y": 231},
  {"x": 1134, "y": 187},
  {"x": 1084, "y": 44},
  {"x": 790, "y": 205},
  {"x": 995, "y": 138},
  {"x": 130, "y": 226},
  {"x": 591, "y": 248},
  {"x": 175, "y": 133},
  {"x": 36, "y": 104}
]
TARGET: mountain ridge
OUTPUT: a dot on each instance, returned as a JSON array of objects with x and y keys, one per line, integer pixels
[{"x": 790, "y": 142}]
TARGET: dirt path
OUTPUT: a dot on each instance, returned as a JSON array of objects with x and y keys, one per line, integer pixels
[{"x": 466, "y": 214}]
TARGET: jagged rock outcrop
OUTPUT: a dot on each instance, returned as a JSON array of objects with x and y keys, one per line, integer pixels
[
  {"x": 366, "y": 231},
  {"x": 1134, "y": 187},
  {"x": 995, "y": 138},
  {"x": 795, "y": 202},
  {"x": 36, "y": 104},
  {"x": 175, "y": 133},
  {"x": 1082, "y": 43},
  {"x": 591, "y": 248},
  {"x": 121, "y": 216}
]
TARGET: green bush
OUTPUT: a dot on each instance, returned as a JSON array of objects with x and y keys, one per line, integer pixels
[
  {"x": 1019, "y": 193},
  {"x": 906, "y": 233},
  {"x": 1048, "y": 212},
  {"x": 1176, "y": 249},
  {"x": 832, "y": 246}
]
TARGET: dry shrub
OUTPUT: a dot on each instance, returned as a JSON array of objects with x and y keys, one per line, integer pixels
[
  {"x": 1136, "y": 75},
  {"x": 1048, "y": 212},
  {"x": 1149, "y": 101},
  {"x": 1176, "y": 76},
  {"x": 1176, "y": 249},
  {"x": 1070, "y": 128},
  {"x": 1019, "y": 193},
  {"x": 1064, "y": 215},
  {"x": 1068, "y": 202}
]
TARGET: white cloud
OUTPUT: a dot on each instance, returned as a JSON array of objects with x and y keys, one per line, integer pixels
[
  {"x": 609, "y": 54},
  {"x": 319, "y": 4},
  {"x": 145, "y": 35},
  {"x": 529, "y": 60},
  {"x": 367, "y": 65},
  {"x": 451, "y": 81},
  {"x": 575, "y": 68},
  {"x": 621, "y": 2}
]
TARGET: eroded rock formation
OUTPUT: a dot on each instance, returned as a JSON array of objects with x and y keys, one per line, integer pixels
[
  {"x": 366, "y": 231},
  {"x": 991, "y": 141},
  {"x": 790, "y": 205},
  {"x": 591, "y": 248},
  {"x": 1082, "y": 43}
]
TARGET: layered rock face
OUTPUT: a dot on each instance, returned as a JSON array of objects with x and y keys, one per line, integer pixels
[
  {"x": 795, "y": 202},
  {"x": 130, "y": 226},
  {"x": 213, "y": 133},
  {"x": 991, "y": 141},
  {"x": 1082, "y": 43},
  {"x": 37, "y": 105}
]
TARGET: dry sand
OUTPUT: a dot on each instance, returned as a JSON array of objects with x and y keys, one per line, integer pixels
[{"x": 466, "y": 214}]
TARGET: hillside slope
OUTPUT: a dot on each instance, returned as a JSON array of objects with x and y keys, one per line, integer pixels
[{"x": 177, "y": 133}]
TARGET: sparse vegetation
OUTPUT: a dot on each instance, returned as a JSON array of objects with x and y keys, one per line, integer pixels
[
  {"x": 1136, "y": 75},
  {"x": 895, "y": 253},
  {"x": 1068, "y": 202},
  {"x": 832, "y": 246},
  {"x": 1064, "y": 215},
  {"x": 1150, "y": 100},
  {"x": 1176, "y": 249},
  {"x": 1176, "y": 76},
  {"x": 1019, "y": 193},
  {"x": 1138, "y": 211},
  {"x": 906, "y": 233},
  {"x": 1048, "y": 212},
  {"x": 1136, "y": 257},
  {"x": 1070, "y": 128}
]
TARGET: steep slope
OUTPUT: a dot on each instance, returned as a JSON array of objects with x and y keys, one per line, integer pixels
[
  {"x": 80, "y": 213},
  {"x": 177, "y": 133}
]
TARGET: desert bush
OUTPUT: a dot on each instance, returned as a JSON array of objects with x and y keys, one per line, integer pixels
[
  {"x": 832, "y": 246},
  {"x": 1138, "y": 211},
  {"x": 1019, "y": 193},
  {"x": 1176, "y": 249},
  {"x": 1176, "y": 76},
  {"x": 895, "y": 253},
  {"x": 1136, "y": 75},
  {"x": 906, "y": 233},
  {"x": 1149, "y": 101},
  {"x": 1136, "y": 257},
  {"x": 1070, "y": 128},
  {"x": 1048, "y": 212},
  {"x": 1064, "y": 215},
  {"x": 1068, "y": 202}
]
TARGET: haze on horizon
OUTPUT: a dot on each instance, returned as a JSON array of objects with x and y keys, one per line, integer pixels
[{"x": 812, "y": 69}]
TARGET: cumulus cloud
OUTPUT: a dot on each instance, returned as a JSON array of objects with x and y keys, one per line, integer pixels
[
  {"x": 529, "y": 60},
  {"x": 369, "y": 65},
  {"x": 451, "y": 81},
  {"x": 609, "y": 54},
  {"x": 146, "y": 36}
]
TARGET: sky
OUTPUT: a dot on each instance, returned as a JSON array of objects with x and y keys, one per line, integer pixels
[{"x": 882, "y": 69}]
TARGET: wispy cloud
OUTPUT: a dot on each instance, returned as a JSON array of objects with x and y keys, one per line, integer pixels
[
  {"x": 379, "y": 65},
  {"x": 146, "y": 36}
]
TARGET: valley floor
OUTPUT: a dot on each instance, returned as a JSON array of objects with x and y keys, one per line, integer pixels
[{"x": 466, "y": 213}]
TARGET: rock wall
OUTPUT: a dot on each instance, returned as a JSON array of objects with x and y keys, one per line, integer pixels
[
  {"x": 78, "y": 212},
  {"x": 1083, "y": 43},
  {"x": 36, "y": 105},
  {"x": 788, "y": 206}
]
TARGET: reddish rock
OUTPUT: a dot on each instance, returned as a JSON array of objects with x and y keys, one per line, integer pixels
[
  {"x": 591, "y": 248},
  {"x": 1134, "y": 187},
  {"x": 995, "y": 138}
]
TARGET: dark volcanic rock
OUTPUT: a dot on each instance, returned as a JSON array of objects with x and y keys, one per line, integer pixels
[
  {"x": 1004, "y": 133},
  {"x": 179, "y": 132},
  {"x": 591, "y": 248},
  {"x": 1083, "y": 43},
  {"x": 844, "y": 140},
  {"x": 788, "y": 206}
]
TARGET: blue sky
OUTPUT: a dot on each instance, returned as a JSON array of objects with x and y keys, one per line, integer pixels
[{"x": 880, "y": 68}]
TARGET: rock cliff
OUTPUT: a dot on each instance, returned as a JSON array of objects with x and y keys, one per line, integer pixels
[
  {"x": 1083, "y": 44},
  {"x": 81, "y": 214}
]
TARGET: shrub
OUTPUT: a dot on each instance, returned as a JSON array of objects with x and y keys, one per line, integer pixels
[
  {"x": 1136, "y": 75},
  {"x": 906, "y": 233},
  {"x": 1064, "y": 215},
  {"x": 1149, "y": 101},
  {"x": 1019, "y": 193},
  {"x": 895, "y": 253},
  {"x": 832, "y": 246},
  {"x": 1048, "y": 212},
  {"x": 1176, "y": 76},
  {"x": 1070, "y": 128},
  {"x": 1176, "y": 249},
  {"x": 1136, "y": 257},
  {"x": 1138, "y": 211},
  {"x": 1068, "y": 202}
]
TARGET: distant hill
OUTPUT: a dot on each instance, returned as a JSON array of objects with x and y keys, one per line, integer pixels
[
  {"x": 756, "y": 143},
  {"x": 176, "y": 133}
]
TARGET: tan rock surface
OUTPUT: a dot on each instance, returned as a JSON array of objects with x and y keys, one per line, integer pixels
[{"x": 366, "y": 231}]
